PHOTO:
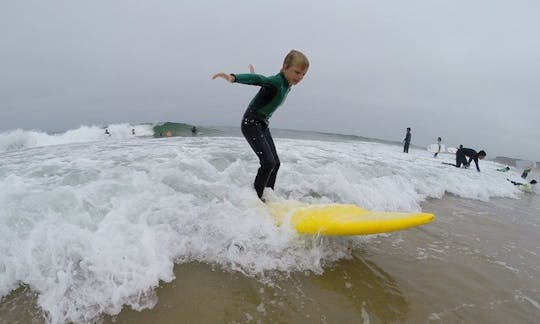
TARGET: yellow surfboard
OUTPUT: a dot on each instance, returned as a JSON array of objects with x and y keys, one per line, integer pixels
[{"x": 343, "y": 219}]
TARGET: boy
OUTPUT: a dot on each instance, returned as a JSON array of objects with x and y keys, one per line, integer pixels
[{"x": 274, "y": 90}]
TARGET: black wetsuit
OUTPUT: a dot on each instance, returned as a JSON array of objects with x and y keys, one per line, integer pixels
[
  {"x": 461, "y": 157},
  {"x": 407, "y": 142},
  {"x": 274, "y": 90}
]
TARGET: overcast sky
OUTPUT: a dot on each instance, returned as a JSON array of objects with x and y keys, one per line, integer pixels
[{"x": 465, "y": 70}]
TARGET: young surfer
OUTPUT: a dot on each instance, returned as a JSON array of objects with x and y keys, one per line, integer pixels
[
  {"x": 274, "y": 90},
  {"x": 463, "y": 153},
  {"x": 526, "y": 187},
  {"x": 515, "y": 183}
]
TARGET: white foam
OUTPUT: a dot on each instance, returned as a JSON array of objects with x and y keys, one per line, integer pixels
[
  {"x": 92, "y": 227},
  {"x": 20, "y": 139}
]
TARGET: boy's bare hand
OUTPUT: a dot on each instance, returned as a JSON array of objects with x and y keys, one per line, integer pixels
[{"x": 223, "y": 75}]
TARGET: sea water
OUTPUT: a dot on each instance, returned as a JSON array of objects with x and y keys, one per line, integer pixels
[{"x": 93, "y": 223}]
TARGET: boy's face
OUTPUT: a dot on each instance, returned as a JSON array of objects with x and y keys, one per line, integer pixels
[{"x": 294, "y": 74}]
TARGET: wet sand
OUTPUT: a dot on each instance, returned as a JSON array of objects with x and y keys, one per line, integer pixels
[{"x": 478, "y": 262}]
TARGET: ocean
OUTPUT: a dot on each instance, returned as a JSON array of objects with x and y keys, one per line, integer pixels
[{"x": 139, "y": 228}]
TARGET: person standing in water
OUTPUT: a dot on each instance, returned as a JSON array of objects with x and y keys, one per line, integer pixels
[
  {"x": 439, "y": 144},
  {"x": 407, "y": 140},
  {"x": 272, "y": 94}
]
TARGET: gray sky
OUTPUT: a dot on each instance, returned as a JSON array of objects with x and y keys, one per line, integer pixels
[{"x": 468, "y": 71}]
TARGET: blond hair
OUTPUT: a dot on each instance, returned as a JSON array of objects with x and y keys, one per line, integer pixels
[{"x": 296, "y": 58}]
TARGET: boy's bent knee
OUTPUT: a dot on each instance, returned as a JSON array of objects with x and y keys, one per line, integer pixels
[{"x": 269, "y": 165}]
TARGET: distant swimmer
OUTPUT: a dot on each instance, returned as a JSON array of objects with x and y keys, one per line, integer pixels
[
  {"x": 515, "y": 183},
  {"x": 527, "y": 187},
  {"x": 407, "y": 140},
  {"x": 194, "y": 130},
  {"x": 463, "y": 153},
  {"x": 107, "y": 132},
  {"x": 254, "y": 125},
  {"x": 133, "y": 131},
  {"x": 439, "y": 144},
  {"x": 526, "y": 173},
  {"x": 504, "y": 169}
]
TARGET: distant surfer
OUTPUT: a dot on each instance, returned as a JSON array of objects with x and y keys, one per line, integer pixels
[
  {"x": 439, "y": 145},
  {"x": 527, "y": 187},
  {"x": 193, "y": 130},
  {"x": 525, "y": 172},
  {"x": 462, "y": 154},
  {"x": 407, "y": 140},
  {"x": 107, "y": 132},
  {"x": 133, "y": 131},
  {"x": 272, "y": 94},
  {"x": 515, "y": 183}
]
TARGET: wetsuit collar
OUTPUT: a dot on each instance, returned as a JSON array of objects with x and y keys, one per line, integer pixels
[{"x": 285, "y": 79}]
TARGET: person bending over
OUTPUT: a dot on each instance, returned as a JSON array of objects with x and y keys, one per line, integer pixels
[{"x": 463, "y": 153}]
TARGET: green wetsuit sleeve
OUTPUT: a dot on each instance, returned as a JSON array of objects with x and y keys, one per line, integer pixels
[{"x": 254, "y": 79}]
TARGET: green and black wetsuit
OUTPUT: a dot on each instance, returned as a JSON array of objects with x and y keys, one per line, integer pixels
[{"x": 274, "y": 90}]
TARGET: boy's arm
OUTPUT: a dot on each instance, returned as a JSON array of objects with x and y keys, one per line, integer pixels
[
  {"x": 231, "y": 77},
  {"x": 253, "y": 79}
]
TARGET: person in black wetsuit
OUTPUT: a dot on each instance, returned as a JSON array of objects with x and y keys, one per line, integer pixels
[
  {"x": 463, "y": 153},
  {"x": 274, "y": 90},
  {"x": 407, "y": 140},
  {"x": 515, "y": 183}
]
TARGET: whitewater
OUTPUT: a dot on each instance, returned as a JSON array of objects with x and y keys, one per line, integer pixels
[{"x": 92, "y": 223}]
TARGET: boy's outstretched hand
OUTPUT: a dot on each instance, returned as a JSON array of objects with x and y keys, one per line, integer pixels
[
  {"x": 225, "y": 76},
  {"x": 230, "y": 77}
]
